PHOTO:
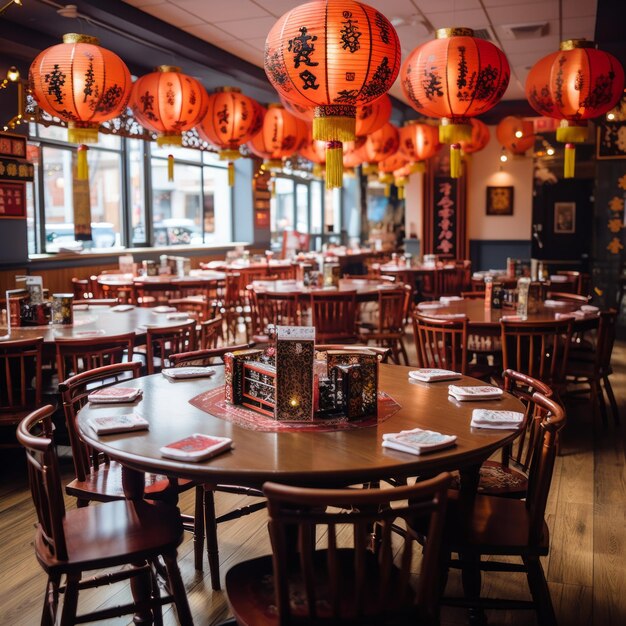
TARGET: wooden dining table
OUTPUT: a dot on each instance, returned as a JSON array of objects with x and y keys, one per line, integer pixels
[
  {"x": 328, "y": 458},
  {"x": 166, "y": 280}
]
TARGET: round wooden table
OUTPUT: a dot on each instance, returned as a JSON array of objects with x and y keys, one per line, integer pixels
[
  {"x": 127, "y": 280},
  {"x": 95, "y": 321},
  {"x": 365, "y": 289},
  {"x": 311, "y": 458}
]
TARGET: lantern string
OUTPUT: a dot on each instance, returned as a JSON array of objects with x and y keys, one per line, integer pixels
[{"x": 82, "y": 167}]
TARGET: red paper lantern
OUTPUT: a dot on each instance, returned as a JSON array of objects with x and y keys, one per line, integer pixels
[
  {"x": 388, "y": 166},
  {"x": 353, "y": 153},
  {"x": 168, "y": 102},
  {"x": 314, "y": 151},
  {"x": 334, "y": 55},
  {"x": 370, "y": 117},
  {"x": 81, "y": 83},
  {"x": 516, "y": 134},
  {"x": 455, "y": 77},
  {"x": 479, "y": 139},
  {"x": 306, "y": 114},
  {"x": 381, "y": 144},
  {"x": 229, "y": 122},
  {"x": 419, "y": 142},
  {"x": 575, "y": 84},
  {"x": 281, "y": 136}
]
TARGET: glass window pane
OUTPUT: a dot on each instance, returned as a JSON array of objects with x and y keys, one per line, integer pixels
[
  {"x": 217, "y": 206},
  {"x": 31, "y": 215},
  {"x": 57, "y": 133},
  {"x": 282, "y": 205},
  {"x": 212, "y": 158},
  {"x": 105, "y": 191},
  {"x": 302, "y": 208},
  {"x": 57, "y": 200},
  {"x": 184, "y": 154},
  {"x": 136, "y": 191},
  {"x": 113, "y": 142},
  {"x": 316, "y": 206},
  {"x": 177, "y": 206}
]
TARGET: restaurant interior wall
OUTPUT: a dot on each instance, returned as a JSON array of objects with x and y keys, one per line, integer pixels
[{"x": 413, "y": 213}]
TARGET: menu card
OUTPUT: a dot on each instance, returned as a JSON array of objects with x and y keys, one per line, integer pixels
[
  {"x": 196, "y": 447},
  {"x": 114, "y": 394},
  {"x": 107, "y": 424},
  {"x": 418, "y": 441},
  {"x": 479, "y": 392},
  {"x": 433, "y": 375}
]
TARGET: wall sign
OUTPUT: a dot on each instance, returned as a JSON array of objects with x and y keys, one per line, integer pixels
[
  {"x": 12, "y": 146},
  {"x": 564, "y": 218},
  {"x": 611, "y": 141},
  {"x": 500, "y": 200},
  {"x": 12, "y": 200},
  {"x": 11, "y": 169}
]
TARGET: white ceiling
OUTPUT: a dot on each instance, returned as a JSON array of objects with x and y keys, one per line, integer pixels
[{"x": 240, "y": 26}]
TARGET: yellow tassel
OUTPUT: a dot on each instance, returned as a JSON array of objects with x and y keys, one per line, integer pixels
[
  {"x": 419, "y": 167},
  {"x": 82, "y": 134},
  {"x": 334, "y": 165},
  {"x": 569, "y": 162},
  {"x": 385, "y": 178},
  {"x": 387, "y": 191},
  {"x": 170, "y": 168},
  {"x": 450, "y": 132},
  {"x": 231, "y": 174},
  {"x": 455, "y": 160},
  {"x": 318, "y": 170},
  {"x": 570, "y": 132},
  {"x": 170, "y": 139},
  {"x": 401, "y": 192},
  {"x": 369, "y": 169},
  {"x": 334, "y": 125},
  {"x": 274, "y": 164},
  {"x": 82, "y": 168}
]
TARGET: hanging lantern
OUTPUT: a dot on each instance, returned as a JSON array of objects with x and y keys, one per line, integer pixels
[
  {"x": 387, "y": 167},
  {"x": 306, "y": 114},
  {"x": 575, "y": 84},
  {"x": 314, "y": 151},
  {"x": 370, "y": 117},
  {"x": 168, "y": 103},
  {"x": 380, "y": 145},
  {"x": 229, "y": 122},
  {"x": 516, "y": 134},
  {"x": 281, "y": 136},
  {"x": 455, "y": 77},
  {"x": 479, "y": 138},
  {"x": 334, "y": 55},
  {"x": 353, "y": 153},
  {"x": 401, "y": 177},
  {"x": 419, "y": 142},
  {"x": 83, "y": 84}
]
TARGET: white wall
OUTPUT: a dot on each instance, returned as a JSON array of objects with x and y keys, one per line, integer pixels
[
  {"x": 484, "y": 171},
  {"x": 414, "y": 205}
]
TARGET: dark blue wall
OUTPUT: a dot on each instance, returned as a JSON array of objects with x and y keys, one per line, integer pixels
[{"x": 492, "y": 254}]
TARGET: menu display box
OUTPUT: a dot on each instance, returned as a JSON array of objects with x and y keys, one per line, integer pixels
[
  {"x": 369, "y": 367},
  {"x": 233, "y": 373}
]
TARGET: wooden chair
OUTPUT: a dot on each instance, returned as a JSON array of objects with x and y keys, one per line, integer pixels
[
  {"x": 334, "y": 315},
  {"x": 495, "y": 527},
  {"x": 537, "y": 349},
  {"x": 21, "y": 376},
  {"x": 388, "y": 329},
  {"x": 562, "y": 296},
  {"x": 196, "y": 307},
  {"x": 98, "y": 478},
  {"x": 123, "y": 292},
  {"x": 79, "y": 355},
  {"x": 449, "y": 281},
  {"x": 383, "y": 354},
  {"x": 210, "y": 332},
  {"x": 97, "y": 302},
  {"x": 574, "y": 283},
  {"x": 150, "y": 293},
  {"x": 203, "y": 358},
  {"x": 441, "y": 343},
  {"x": 112, "y": 535},
  {"x": 594, "y": 368},
  {"x": 273, "y": 309},
  {"x": 81, "y": 288},
  {"x": 509, "y": 476},
  {"x": 166, "y": 340},
  {"x": 336, "y": 584}
]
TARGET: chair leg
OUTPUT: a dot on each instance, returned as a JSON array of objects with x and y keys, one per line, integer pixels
[
  {"x": 70, "y": 602},
  {"x": 601, "y": 403},
  {"x": 198, "y": 528},
  {"x": 51, "y": 601},
  {"x": 540, "y": 591},
  {"x": 178, "y": 589},
  {"x": 212, "y": 548},
  {"x": 157, "y": 612},
  {"x": 405, "y": 356},
  {"x": 471, "y": 579},
  {"x": 609, "y": 392}
]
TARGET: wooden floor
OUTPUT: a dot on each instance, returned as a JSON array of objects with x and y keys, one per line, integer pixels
[{"x": 586, "y": 568}]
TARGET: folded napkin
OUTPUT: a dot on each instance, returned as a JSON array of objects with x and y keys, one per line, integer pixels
[
  {"x": 417, "y": 441},
  {"x": 164, "y": 309},
  {"x": 110, "y": 395},
  {"x": 479, "y": 392},
  {"x": 589, "y": 308},
  {"x": 448, "y": 299},
  {"x": 430, "y": 375},
  {"x": 80, "y": 307},
  {"x": 500, "y": 420},
  {"x": 450, "y": 316},
  {"x": 555, "y": 303},
  {"x": 512, "y": 318},
  {"x": 179, "y": 373},
  {"x": 429, "y": 305},
  {"x": 558, "y": 278},
  {"x": 179, "y": 315},
  {"x": 564, "y": 316},
  {"x": 120, "y": 308}
]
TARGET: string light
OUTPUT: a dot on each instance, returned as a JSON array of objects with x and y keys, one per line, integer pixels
[{"x": 610, "y": 116}]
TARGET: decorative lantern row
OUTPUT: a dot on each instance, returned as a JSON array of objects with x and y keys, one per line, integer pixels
[
  {"x": 455, "y": 77},
  {"x": 379, "y": 145},
  {"x": 419, "y": 142},
  {"x": 334, "y": 55},
  {"x": 387, "y": 167},
  {"x": 575, "y": 84},
  {"x": 516, "y": 134},
  {"x": 479, "y": 137},
  {"x": 230, "y": 121}
]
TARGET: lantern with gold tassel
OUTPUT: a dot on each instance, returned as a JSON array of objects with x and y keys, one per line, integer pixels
[
  {"x": 353, "y": 154},
  {"x": 83, "y": 84},
  {"x": 479, "y": 138},
  {"x": 281, "y": 136},
  {"x": 314, "y": 151},
  {"x": 334, "y": 55},
  {"x": 516, "y": 134},
  {"x": 418, "y": 142},
  {"x": 230, "y": 120},
  {"x": 379, "y": 145},
  {"x": 455, "y": 77},
  {"x": 401, "y": 178},
  {"x": 575, "y": 84},
  {"x": 168, "y": 103},
  {"x": 387, "y": 167}
]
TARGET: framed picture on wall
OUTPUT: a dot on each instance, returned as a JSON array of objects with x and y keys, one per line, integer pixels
[
  {"x": 564, "y": 218},
  {"x": 500, "y": 200}
]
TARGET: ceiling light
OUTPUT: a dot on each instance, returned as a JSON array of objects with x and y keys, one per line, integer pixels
[
  {"x": 69, "y": 11},
  {"x": 519, "y": 134},
  {"x": 610, "y": 116},
  {"x": 504, "y": 158},
  {"x": 550, "y": 151},
  {"x": 13, "y": 74}
]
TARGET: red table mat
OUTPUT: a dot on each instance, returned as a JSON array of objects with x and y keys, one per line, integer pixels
[{"x": 213, "y": 402}]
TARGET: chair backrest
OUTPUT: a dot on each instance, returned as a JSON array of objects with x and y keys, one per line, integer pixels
[
  {"x": 81, "y": 288},
  {"x": 605, "y": 340},
  {"x": 449, "y": 281},
  {"x": 98, "y": 302},
  {"x": 524, "y": 387},
  {"x": 383, "y": 354},
  {"x": 392, "y": 304},
  {"x": 473, "y": 295},
  {"x": 542, "y": 462},
  {"x": 284, "y": 272},
  {"x": 202, "y": 358},
  {"x": 360, "y": 587},
  {"x": 206, "y": 288},
  {"x": 166, "y": 340},
  {"x": 74, "y": 392},
  {"x": 334, "y": 315},
  {"x": 575, "y": 281},
  {"x": 148, "y": 293},
  {"x": 538, "y": 349},
  {"x": 441, "y": 343},
  {"x": 196, "y": 307},
  {"x": 20, "y": 374},
  {"x": 563, "y": 296},
  {"x": 34, "y": 433},
  {"x": 211, "y": 331},
  {"x": 279, "y": 309},
  {"x": 74, "y": 356}
]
